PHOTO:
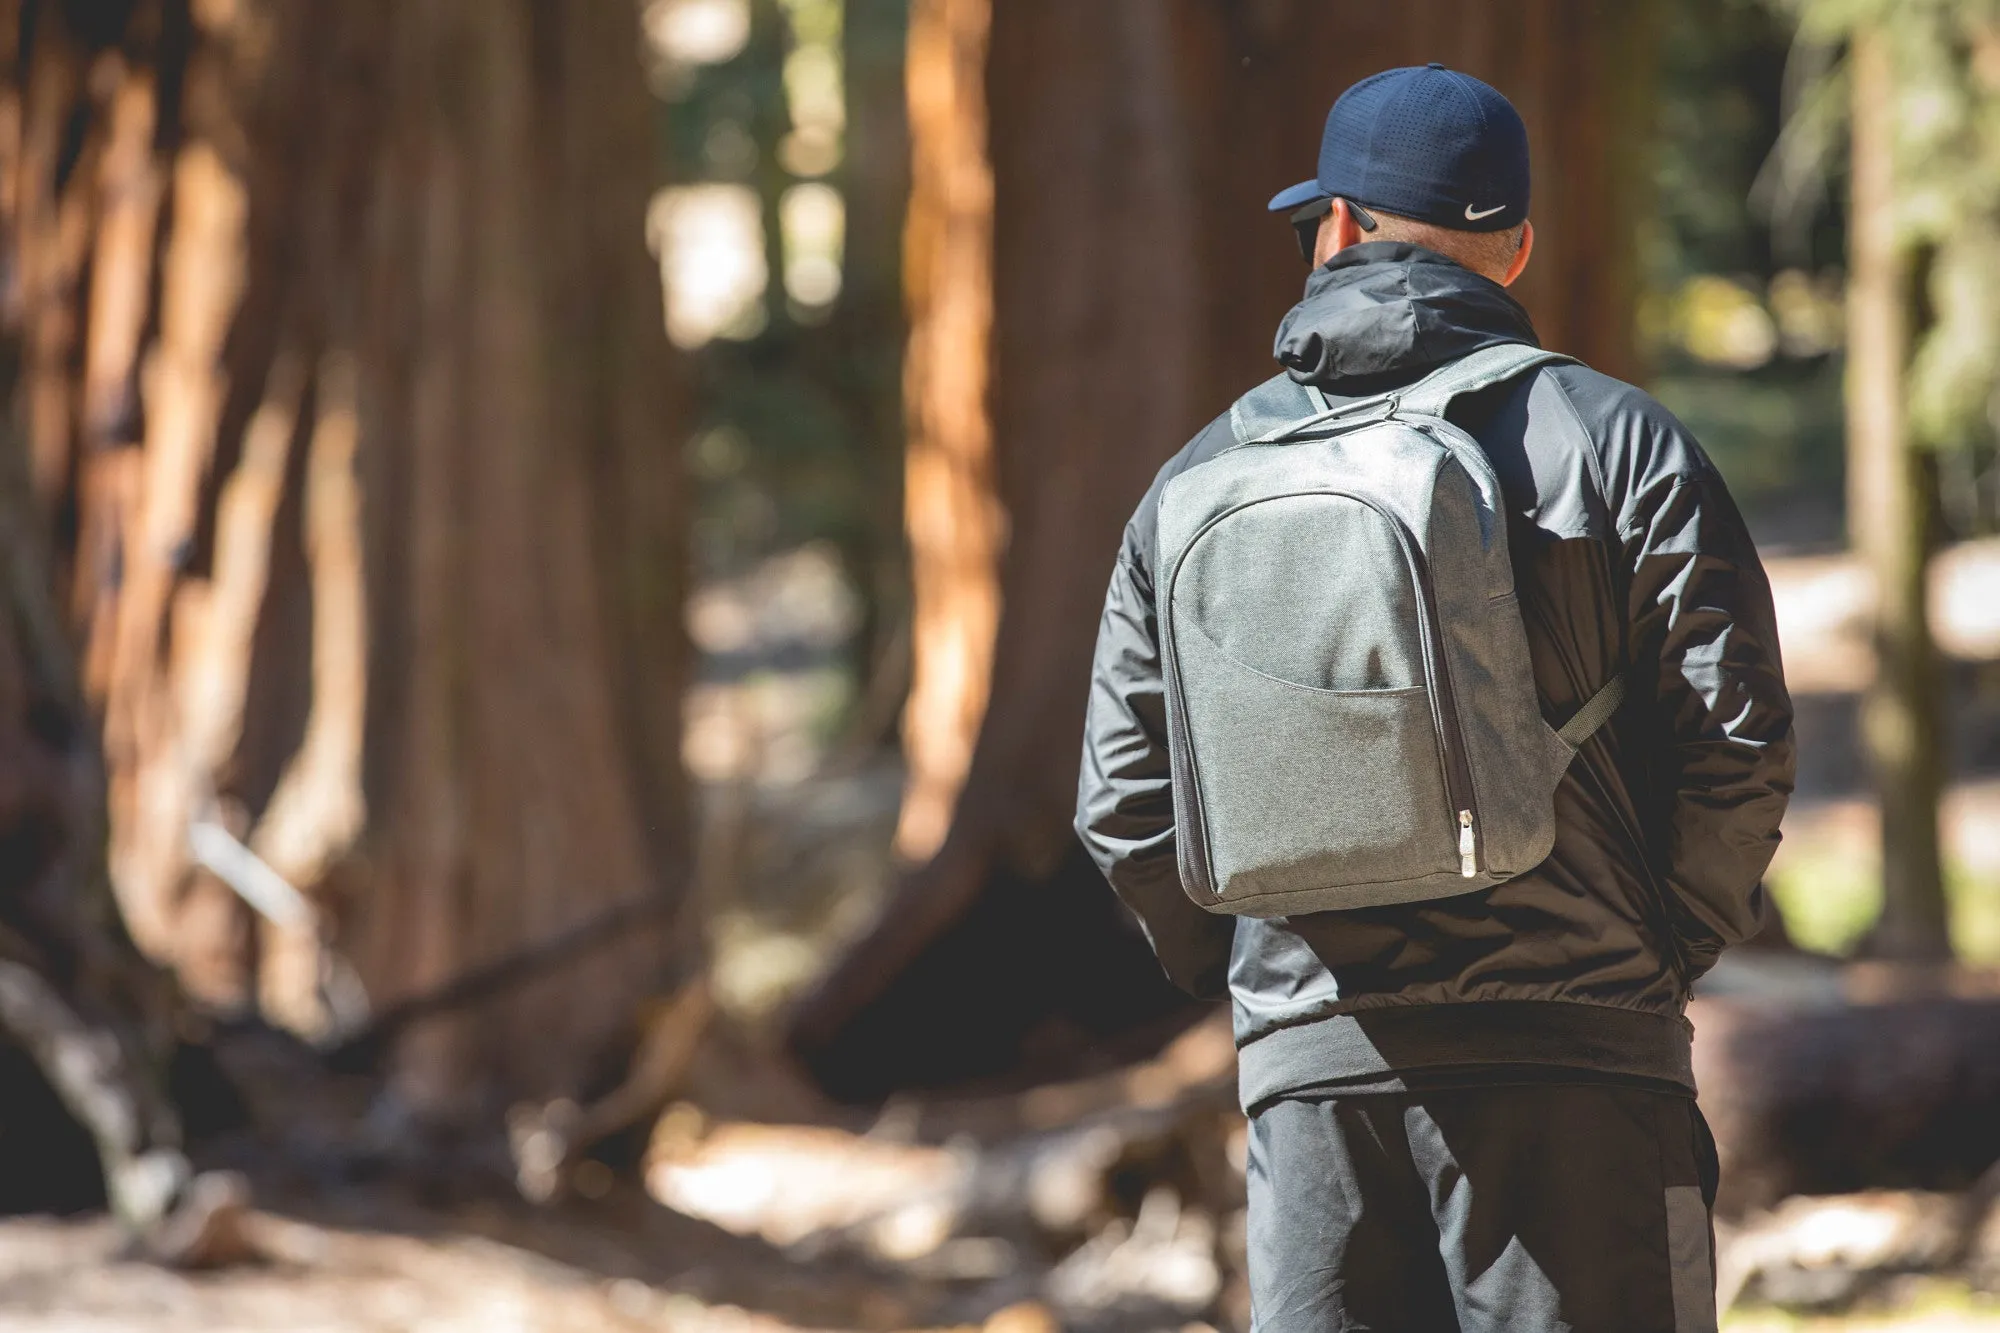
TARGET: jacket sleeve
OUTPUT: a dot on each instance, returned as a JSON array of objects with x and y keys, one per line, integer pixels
[
  {"x": 1124, "y": 801},
  {"x": 1700, "y": 599}
]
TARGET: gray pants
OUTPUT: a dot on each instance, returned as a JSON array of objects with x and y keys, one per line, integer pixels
[{"x": 1505, "y": 1209}]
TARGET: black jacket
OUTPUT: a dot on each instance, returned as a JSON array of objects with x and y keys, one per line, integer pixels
[{"x": 1630, "y": 556}]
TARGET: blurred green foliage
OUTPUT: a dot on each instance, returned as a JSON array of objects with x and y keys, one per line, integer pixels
[
  {"x": 798, "y": 433},
  {"x": 1830, "y": 897},
  {"x": 1914, "y": 1304},
  {"x": 1946, "y": 120},
  {"x": 1742, "y": 321}
]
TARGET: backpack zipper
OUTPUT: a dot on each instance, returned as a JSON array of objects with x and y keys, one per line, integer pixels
[{"x": 1444, "y": 702}]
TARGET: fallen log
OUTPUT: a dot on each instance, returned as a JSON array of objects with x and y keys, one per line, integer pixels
[
  {"x": 1040, "y": 1172},
  {"x": 1831, "y": 1081},
  {"x": 1124, "y": 1210},
  {"x": 491, "y": 980}
]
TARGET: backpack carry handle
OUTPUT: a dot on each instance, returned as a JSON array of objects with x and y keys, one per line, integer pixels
[
  {"x": 1432, "y": 395},
  {"x": 1329, "y": 415}
]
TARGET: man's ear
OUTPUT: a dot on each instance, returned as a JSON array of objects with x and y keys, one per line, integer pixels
[
  {"x": 1337, "y": 231},
  {"x": 1520, "y": 261}
]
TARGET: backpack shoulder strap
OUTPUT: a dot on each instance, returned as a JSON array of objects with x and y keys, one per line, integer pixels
[
  {"x": 1596, "y": 711},
  {"x": 1432, "y": 395},
  {"x": 1280, "y": 405},
  {"x": 1277, "y": 402}
]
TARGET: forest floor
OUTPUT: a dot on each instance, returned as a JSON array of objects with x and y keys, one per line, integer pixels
[
  {"x": 431, "y": 1254},
  {"x": 66, "y": 1275},
  {"x": 796, "y": 1224},
  {"x": 499, "y": 1270},
  {"x": 372, "y": 1262}
]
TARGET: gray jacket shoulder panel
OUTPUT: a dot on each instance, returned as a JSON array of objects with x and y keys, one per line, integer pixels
[
  {"x": 1640, "y": 447},
  {"x": 1547, "y": 435},
  {"x": 1142, "y": 534}
]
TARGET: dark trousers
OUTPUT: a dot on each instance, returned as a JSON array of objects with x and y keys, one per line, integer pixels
[{"x": 1519, "y": 1208}]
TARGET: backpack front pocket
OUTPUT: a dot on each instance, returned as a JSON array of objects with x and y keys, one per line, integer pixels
[{"x": 1305, "y": 789}]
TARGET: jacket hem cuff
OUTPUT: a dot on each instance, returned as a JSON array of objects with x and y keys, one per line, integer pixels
[{"x": 1378, "y": 1044}]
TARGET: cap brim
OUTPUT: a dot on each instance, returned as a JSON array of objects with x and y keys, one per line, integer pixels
[{"x": 1305, "y": 192}]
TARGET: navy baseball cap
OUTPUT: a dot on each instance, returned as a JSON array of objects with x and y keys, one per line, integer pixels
[{"x": 1424, "y": 142}]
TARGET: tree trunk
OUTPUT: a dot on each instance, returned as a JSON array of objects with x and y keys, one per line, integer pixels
[
  {"x": 875, "y": 182},
  {"x": 1135, "y": 282},
  {"x": 369, "y": 511},
  {"x": 1890, "y": 496},
  {"x": 953, "y": 516}
]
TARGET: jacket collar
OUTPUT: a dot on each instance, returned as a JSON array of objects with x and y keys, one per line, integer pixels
[{"x": 1383, "y": 309}]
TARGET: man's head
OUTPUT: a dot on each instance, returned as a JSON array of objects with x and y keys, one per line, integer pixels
[{"x": 1427, "y": 156}]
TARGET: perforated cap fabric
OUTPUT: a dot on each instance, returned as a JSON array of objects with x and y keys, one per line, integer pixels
[{"x": 1424, "y": 142}]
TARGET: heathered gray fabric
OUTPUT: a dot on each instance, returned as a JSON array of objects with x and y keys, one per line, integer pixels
[
  {"x": 1277, "y": 402},
  {"x": 1292, "y": 544},
  {"x": 1290, "y": 591},
  {"x": 1516, "y": 758},
  {"x": 1433, "y": 395},
  {"x": 1302, "y": 789}
]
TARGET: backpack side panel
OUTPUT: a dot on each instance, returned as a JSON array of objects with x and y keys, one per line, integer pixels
[{"x": 1515, "y": 756}]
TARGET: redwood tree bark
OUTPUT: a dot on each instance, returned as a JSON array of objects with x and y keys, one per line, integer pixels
[
  {"x": 349, "y": 402},
  {"x": 1135, "y": 285},
  {"x": 1891, "y": 492},
  {"x": 952, "y": 512}
]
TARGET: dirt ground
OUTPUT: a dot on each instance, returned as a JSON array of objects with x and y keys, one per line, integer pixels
[
  {"x": 489, "y": 1267},
  {"x": 60, "y": 1275},
  {"x": 68, "y": 1276},
  {"x": 356, "y": 1230}
]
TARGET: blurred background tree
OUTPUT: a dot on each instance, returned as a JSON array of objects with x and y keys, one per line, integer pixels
[
  {"x": 341, "y": 388},
  {"x": 1911, "y": 92}
]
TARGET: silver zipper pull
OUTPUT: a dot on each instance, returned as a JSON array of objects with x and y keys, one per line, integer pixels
[{"x": 1468, "y": 846}]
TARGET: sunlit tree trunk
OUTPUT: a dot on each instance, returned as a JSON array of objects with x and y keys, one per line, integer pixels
[
  {"x": 349, "y": 402},
  {"x": 953, "y": 514},
  {"x": 1135, "y": 282},
  {"x": 1890, "y": 498}
]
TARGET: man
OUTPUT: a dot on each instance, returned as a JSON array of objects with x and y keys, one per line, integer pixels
[{"x": 1477, "y": 1112}]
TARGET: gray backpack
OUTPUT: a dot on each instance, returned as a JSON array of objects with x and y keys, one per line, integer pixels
[{"x": 1352, "y": 719}]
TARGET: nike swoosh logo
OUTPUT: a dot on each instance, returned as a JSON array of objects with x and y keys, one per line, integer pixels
[{"x": 1472, "y": 216}]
